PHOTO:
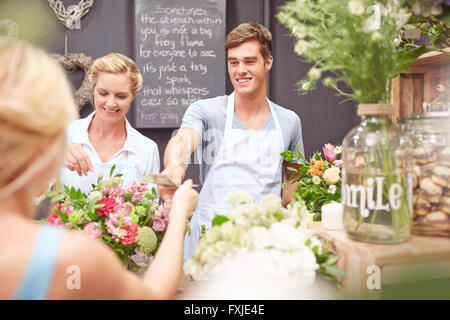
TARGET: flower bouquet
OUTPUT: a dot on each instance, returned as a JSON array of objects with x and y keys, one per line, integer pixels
[
  {"x": 127, "y": 218},
  {"x": 319, "y": 180},
  {"x": 274, "y": 241}
]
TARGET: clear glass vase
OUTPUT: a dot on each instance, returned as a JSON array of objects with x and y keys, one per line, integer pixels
[{"x": 376, "y": 177}]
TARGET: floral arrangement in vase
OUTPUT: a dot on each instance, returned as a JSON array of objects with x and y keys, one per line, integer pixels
[
  {"x": 363, "y": 44},
  {"x": 319, "y": 180},
  {"x": 269, "y": 235},
  {"x": 128, "y": 218},
  {"x": 360, "y": 43}
]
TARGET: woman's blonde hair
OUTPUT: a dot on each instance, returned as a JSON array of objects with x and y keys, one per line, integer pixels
[
  {"x": 36, "y": 105},
  {"x": 117, "y": 63}
]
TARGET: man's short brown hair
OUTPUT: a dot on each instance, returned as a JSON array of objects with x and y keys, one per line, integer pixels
[{"x": 250, "y": 31}]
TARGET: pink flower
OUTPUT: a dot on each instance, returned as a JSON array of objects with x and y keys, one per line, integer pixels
[
  {"x": 93, "y": 229},
  {"x": 139, "y": 196},
  {"x": 67, "y": 209},
  {"x": 123, "y": 209},
  {"x": 328, "y": 151},
  {"x": 109, "y": 203},
  {"x": 135, "y": 187},
  {"x": 159, "y": 225},
  {"x": 338, "y": 163},
  {"x": 116, "y": 191},
  {"x": 130, "y": 237},
  {"x": 54, "y": 218}
]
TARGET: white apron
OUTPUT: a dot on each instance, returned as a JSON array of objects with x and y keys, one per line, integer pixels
[
  {"x": 247, "y": 160},
  {"x": 127, "y": 168}
]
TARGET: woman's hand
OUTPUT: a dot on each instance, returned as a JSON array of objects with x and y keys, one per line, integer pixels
[
  {"x": 78, "y": 160},
  {"x": 176, "y": 174},
  {"x": 185, "y": 199}
]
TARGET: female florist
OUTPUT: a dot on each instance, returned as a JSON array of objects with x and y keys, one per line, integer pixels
[{"x": 300, "y": 154}]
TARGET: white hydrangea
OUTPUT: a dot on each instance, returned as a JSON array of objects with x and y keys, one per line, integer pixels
[
  {"x": 286, "y": 237},
  {"x": 239, "y": 197},
  {"x": 315, "y": 242},
  {"x": 271, "y": 203}
]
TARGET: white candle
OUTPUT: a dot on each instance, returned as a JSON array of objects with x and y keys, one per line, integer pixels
[{"x": 333, "y": 216}]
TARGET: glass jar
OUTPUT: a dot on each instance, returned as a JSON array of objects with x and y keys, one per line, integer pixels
[
  {"x": 431, "y": 173},
  {"x": 376, "y": 178}
]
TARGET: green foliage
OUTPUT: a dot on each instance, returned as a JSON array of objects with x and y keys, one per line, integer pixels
[
  {"x": 315, "y": 191},
  {"x": 356, "y": 42}
]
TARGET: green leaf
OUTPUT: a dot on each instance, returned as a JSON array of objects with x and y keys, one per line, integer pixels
[
  {"x": 317, "y": 216},
  {"x": 335, "y": 271},
  {"x": 331, "y": 261},
  {"x": 287, "y": 155},
  {"x": 118, "y": 175},
  {"x": 112, "y": 171},
  {"x": 50, "y": 193},
  {"x": 299, "y": 150},
  {"x": 218, "y": 220}
]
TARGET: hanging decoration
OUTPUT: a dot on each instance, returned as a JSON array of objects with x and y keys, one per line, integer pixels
[
  {"x": 72, "y": 62},
  {"x": 70, "y": 17}
]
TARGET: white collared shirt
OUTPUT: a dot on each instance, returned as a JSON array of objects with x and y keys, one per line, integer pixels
[{"x": 138, "y": 157}]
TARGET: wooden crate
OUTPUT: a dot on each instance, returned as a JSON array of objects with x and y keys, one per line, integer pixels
[{"x": 411, "y": 89}]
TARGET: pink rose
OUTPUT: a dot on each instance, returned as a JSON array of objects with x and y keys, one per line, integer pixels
[
  {"x": 328, "y": 151},
  {"x": 93, "y": 229},
  {"x": 159, "y": 225},
  {"x": 123, "y": 209}
]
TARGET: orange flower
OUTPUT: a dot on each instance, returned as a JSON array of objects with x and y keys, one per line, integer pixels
[{"x": 316, "y": 168}]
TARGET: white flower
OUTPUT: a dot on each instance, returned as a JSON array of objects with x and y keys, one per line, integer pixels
[
  {"x": 314, "y": 74},
  {"x": 238, "y": 198},
  {"x": 356, "y": 7},
  {"x": 397, "y": 41},
  {"x": 286, "y": 237},
  {"x": 301, "y": 47},
  {"x": 299, "y": 31},
  {"x": 331, "y": 175},
  {"x": 316, "y": 180},
  {"x": 306, "y": 86},
  {"x": 337, "y": 150},
  {"x": 332, "y": 189},
  {"x": 315, "y": 242},
  {"x": 271, "y": 203},
  {"x": 93, "y": 195}
]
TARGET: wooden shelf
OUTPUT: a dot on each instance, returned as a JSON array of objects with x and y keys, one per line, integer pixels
[{"x": 411, "y": 89}]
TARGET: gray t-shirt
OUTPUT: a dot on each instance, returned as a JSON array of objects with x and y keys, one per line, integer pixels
[{"x": 208, "y": 118}]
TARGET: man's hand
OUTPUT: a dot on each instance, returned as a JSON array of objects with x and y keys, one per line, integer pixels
[{"x": 78, "y": 160}]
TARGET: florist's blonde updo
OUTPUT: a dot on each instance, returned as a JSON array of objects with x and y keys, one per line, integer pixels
[
  {"x": 117, "y": 63},
  {"x": 36, "y": 105}
]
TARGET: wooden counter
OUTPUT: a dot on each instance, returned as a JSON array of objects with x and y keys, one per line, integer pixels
[{"x": 361, "y": 261}]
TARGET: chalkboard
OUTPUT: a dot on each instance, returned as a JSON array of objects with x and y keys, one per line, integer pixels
[{"x": 179, "y": 49}]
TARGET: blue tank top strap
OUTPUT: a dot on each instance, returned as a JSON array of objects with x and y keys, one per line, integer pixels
[{"x": 38, "y": 276}]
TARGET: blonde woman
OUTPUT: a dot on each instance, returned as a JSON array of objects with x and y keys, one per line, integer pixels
[
  {"x": 105, "y": 138},
  {"x": 36, "y": 105}
]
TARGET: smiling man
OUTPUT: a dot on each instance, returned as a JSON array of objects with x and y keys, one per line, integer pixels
[{"x": 239, "y": 137}]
